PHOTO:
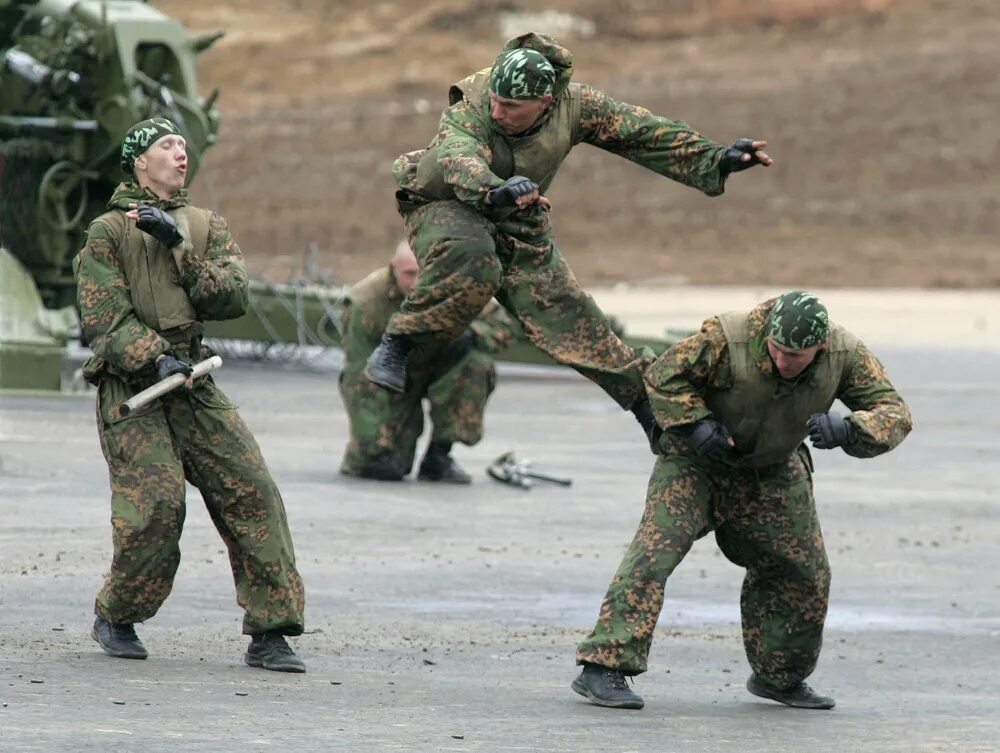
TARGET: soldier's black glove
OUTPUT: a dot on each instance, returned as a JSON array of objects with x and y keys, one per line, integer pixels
[
  {"x": 710, "y": 441},
  {"x": 514, "y": 188},
  {"x": 160, "y": 225},
  {"x": 829, "y": 430},
  {"x": 169, "y": 365},
  {"x": 732, "y": 161}
]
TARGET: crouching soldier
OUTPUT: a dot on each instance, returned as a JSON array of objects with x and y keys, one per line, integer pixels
[
  {"x": 735, "y": 403},
  {"x": 455, "y": 378}
]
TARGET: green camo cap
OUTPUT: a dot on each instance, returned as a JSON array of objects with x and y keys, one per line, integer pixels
[
  {"x": 522, "y": 74},
  {"x": 140, "y": 137},
  {"x": 798, "y": 320}
]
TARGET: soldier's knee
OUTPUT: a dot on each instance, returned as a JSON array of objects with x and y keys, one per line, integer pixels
[
  {"x": 478, "y": 368},
  {"x": 811, "y": 574},
  {"x": 473, "y": 256}
]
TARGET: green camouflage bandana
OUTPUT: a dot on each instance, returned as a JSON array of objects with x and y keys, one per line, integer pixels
[
  {"x": 140, "y": 137},
  {"x": 522, "y": 74},
  {"x": 798, "y": 320}
]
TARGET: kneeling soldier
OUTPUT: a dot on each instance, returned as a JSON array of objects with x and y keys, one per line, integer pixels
[{"x": 455, "y": 378}]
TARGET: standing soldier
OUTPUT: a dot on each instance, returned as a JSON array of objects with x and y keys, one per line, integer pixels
[
  {"x": 736, "y": 402},
  {"x": 474, "y": 207},
  {"x": 153, "y": 269},
  {"x": 456, "y": 379}
]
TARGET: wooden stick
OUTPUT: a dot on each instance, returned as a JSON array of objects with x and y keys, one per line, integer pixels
[{"x": 164, "y": 386}]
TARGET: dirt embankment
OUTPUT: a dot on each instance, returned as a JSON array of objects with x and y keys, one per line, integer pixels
[{"x": 880, "y": 115}]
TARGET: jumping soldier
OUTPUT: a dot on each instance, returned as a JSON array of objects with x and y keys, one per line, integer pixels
[
  {"x": 475, "y": 210},
  {"x": 736, "y": 402},
  {"x": 152, "y": 270}
]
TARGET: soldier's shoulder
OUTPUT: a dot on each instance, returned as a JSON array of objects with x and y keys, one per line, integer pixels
[
  {"x": 371, "y": 288},
  {"x": 111, "y": 218},
  {"x": 207, "y": 214},
  {"x": 470, "y": 89},
  {"x": 841, "y": 338},
  {"x": 107, "y": 226}
]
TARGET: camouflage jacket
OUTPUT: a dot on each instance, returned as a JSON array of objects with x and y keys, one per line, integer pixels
[
  {"x": 679, "y": 380},
  {"x": 124, "y": 276},
  {"x": 472, "y": 155},
  {"x": 372, "y": 302}
]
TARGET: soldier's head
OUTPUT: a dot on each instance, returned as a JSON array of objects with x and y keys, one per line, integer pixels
[
  {"x": 155, "y": 154},
  {"x": 797, "y": 330},
  {"x": 521, "y": 84},
  {"x": 405, "y": 268}
]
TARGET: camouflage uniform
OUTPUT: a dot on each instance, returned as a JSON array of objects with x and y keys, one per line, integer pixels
[
  {"x": 136, "y": 303},
  {"x": 470, "y": 251},
  {"x": 761, "y": 506},
  {"x": 384, "y": 421}
]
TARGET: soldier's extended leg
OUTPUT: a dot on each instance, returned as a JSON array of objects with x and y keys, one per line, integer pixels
[
  {"x": 558, "y": 316},
  {"x": 776, "y": 536},
  {"x": 459, "y": 273},
  {"x": 147, "y": 515},
  {"x": 457, "y": 403},
  {"x": 678, "y": 511},
  {"x": 223, "y": 461}
]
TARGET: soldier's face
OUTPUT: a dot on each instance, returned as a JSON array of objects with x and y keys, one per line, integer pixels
[
  {"x": 163, "y": 167},
  {"x": 790, "y": 362},
  {"x": 517, "y": 115},
  {"x": 406, "y": 271}
]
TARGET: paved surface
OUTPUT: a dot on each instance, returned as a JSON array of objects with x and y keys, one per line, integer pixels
[{"x": 445, "y": 619}]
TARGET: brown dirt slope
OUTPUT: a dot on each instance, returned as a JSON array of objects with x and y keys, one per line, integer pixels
[{"x": 880, "y": 115}]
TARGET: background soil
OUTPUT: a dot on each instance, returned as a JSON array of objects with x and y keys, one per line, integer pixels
[{"x": 880, "y": 115}]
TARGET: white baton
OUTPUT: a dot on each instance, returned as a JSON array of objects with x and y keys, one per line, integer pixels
[{"x": 164, "y": 386}]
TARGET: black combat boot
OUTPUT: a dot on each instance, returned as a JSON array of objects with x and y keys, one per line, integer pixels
[
  {"x": 438, "y": 465},
  {"x": 382, "y": 468},
  {"x": 799, "y": 695},
  {"x": 118, "y": 639},
  {"x": 270, "y": 650},
  {"x": 606, "y": 687},
  {"x": 643, "y": 413},
  {"x": 386, "y": 366}
]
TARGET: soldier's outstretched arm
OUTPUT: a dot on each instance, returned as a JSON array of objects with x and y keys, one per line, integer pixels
[
  {"x": 668, "y": 147},
  {"x": 880, "y": 417},
  {"x": 107, "y": 317},
  {"x": 216, "y": 283}
]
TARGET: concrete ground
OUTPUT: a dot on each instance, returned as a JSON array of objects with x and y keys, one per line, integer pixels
[{"x": 445, "y": 619}]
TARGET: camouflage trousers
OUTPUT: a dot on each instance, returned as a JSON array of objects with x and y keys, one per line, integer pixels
[
  {"x": 764, "y": 522},
  {"x": 466, "y": 259},
  {"x": 199, "y": 436},
  {"x": 384, "y": 421}
]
